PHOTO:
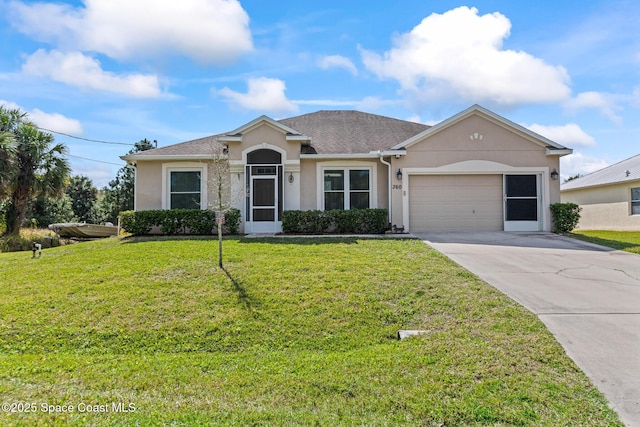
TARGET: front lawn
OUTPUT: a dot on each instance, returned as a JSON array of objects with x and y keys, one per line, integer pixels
[
  {"x": 624, "y": 240},
  {"x": 296, "y": 332}
]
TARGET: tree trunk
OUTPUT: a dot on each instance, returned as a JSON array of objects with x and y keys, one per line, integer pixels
[
  {"x": 14, "y": 216},
  {"x": 11, "y": 220},
  {"x": 219, "y": 242}
]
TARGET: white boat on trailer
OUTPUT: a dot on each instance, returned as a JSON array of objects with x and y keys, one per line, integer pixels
[{"x": 84, "y": 230}]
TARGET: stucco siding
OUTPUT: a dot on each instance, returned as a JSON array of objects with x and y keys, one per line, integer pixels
[
  {"x": 308, "y": 185},
  {"x": 506, "y": 149},
  {"x": 605, "y": 208},
  {"x": 148, "y": 193},
  {"x": 453, "y": 145},
  {"x": 264, "y": 134},
  {"x": 311, "y": 181}
]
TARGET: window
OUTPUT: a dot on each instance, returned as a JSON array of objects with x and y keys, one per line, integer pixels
[
  {"x": 185, "y": 190},
  {"x": 635, "y": 201},
  {"x": 347, "y": 189}
]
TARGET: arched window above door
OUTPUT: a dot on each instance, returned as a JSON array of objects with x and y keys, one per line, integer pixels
[{"x": 264, "y": 157}]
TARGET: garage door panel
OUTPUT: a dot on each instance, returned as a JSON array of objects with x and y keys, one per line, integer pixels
[{"x": 455, "y": 202}]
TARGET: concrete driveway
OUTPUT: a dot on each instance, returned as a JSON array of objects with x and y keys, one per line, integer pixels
[{"x": 588, "y": 296}]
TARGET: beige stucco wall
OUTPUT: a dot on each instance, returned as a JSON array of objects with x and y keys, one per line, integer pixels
[
  {"x": 453, "y": 145},
  {"x": 310, "y": 187},
  {"x": 264, "y": 134},
  {"x": 149, "y": 182},
  {"x": 501, "y": 146},
  {"x": 148, "y": 193},
  {"x": 605, "y": 208}
]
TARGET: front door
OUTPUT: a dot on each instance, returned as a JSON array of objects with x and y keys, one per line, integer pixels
[
  {"x": 522, "y": 203},
  {"x": 264, "y": 185},
  {"x": 264, "y": 203}
]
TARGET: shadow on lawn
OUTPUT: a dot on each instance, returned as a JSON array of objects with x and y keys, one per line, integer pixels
[
  {"x": 243, "y": 296},
  {"x": 615, "y": 244},
  {"x": 301, "y": 240},
  {"x": 325, "y": 239},
  {"x": 164, "y": 238}
]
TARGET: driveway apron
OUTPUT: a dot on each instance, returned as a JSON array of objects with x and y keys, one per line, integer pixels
[{"x": 587, "y": 295}]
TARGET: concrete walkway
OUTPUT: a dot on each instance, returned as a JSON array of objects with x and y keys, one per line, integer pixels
[{"x": 588, "y": 296}]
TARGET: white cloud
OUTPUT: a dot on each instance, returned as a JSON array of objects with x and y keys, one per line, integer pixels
[
  {"x": 459, "y": 54},
  {"x": 50, "y": 121},
  {"x": 596, "y": 100},
  {"x": 338, "y": 61},
  {"x": 569, "y": 135},
  {"x": 55, "y": 122},
  {"x": 263, "y": 94},
  {"x": 10, "y": 105},
  {"x": 76, "y": 69},
  {"x": 209, "y": 31},
  {"x": 579, "y": 164}
]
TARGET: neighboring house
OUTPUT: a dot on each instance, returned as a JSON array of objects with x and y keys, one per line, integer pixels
[
  {"x": 609, "y": 198},
  {"x": 473, "y": 171}
]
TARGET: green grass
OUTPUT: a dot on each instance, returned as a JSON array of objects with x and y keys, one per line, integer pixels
[
  {"x": 299, "y": 332},
  {"x": 624, "y": 240}
]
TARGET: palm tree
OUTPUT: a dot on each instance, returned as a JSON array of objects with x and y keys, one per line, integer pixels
[
  {"x": 37, "y": 166},
  {"x": 7, "y": 150}
]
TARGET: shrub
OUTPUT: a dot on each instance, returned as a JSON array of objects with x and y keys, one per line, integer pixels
[
  {"x": 362, "y": 221},
  {"x": 565, "y": 216},
  {"x": 178, "y": 221}
]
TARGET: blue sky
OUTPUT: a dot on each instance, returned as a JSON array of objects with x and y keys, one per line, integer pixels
[{"x": 124, "y": 70}]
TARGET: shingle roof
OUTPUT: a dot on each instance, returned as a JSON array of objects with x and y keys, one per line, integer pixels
[
  {"x": 349, "y": 132},
  {"x": 331, "y": 132},
  {"x": 625, "y": 171},
  {"x": 197, "y": 147}
]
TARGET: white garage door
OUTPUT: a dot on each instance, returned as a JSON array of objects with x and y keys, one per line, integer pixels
[{"x": 455, "y": 202}]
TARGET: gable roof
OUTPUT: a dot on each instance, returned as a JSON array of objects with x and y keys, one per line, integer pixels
[
  {"x": 340, "y": 132},
  {"x": 478, "y": 110},
  {"x": 278, "y": 125},
  {"x": 201, "y": 148},
  {"x": 625, "y": 171},
  {"x": 351, "y": 132},
  {"x": 329, "y": 131}
]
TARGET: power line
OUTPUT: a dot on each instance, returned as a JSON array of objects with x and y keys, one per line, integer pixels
[
  {"x": 94, "y": 160},
  {"x": 85, "y": 139}
]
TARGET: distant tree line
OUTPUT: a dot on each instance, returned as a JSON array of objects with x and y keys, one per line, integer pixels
[{"x": 36, "y": 186}]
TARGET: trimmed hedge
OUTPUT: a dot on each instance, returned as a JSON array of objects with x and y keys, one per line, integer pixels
[
  {"x": 179, "y": 221},
  {"x": 360, "y": 221},
  {"x": 565, "y": 216}
]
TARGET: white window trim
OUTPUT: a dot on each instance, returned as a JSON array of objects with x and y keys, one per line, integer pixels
[
  {"x": 633, "y": 201},
  {"x": 167, "y": 168},
  {"x": 348, "y": 165}
]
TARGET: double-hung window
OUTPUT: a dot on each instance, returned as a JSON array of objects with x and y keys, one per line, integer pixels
[
  {"x": 185, "y": 190},
  {"x": 346, "y": 188},
  {"x": 635, "y": 201}
]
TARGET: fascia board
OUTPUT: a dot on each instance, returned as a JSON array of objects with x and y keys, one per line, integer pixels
[
  {"x": 373, "y": 155},
  {"x": 167, "y": 157},
  {"x": 559, "y": 152},
  {"x": 301, "y": 138},
  {"x": 229, "y": 138}
]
